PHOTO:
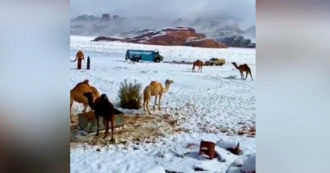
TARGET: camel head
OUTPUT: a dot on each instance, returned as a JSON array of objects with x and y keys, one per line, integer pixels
[
  {"x": 168, "y": 83},
  {"x": 104, "y": 97},
  {"x": 234, "y": 63}
]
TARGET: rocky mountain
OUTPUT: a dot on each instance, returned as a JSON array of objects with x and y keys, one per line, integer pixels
[
  {"x": 123, "y": 27},
  {"x": 236, "y": 41},
  {"x": 216, "y": 27},
  {"x": 178, "y": 36}
]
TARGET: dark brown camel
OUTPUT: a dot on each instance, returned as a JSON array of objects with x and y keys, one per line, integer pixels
[
  {"x": 199, "y": 64},
  {"x": 102, "y": 107},
  {"x": 243, "y": 68}
]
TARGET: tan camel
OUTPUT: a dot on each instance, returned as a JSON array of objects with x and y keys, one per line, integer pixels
[
  {"x": 155, "y": 89},
  {"x": 243, "y": 68},
  {"x": 77, "y": 94},
  {"x": 199, "y": 64}
]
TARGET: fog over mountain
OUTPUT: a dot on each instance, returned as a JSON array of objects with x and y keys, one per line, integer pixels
[{"x": 215, "y": 18}]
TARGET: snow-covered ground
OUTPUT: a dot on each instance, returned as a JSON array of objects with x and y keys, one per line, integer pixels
[{"x": 211, "y": 105}]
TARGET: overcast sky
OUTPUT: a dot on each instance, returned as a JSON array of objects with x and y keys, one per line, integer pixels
[{"x": 241, "y": 10}]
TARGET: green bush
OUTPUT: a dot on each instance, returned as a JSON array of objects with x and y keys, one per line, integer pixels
[{"x": 129, "y": 94}]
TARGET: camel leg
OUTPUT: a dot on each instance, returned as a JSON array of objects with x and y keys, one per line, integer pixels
[
  {"x": 71, "y": 119},
  {"x": 97, "y": 126},
  {"x": 106, "y": 126},
  {"x": 155, "y": 103},
  {"x": 246, "y": 75},
  {"x": 147, "y": 104},
  {"x": 112, "y": 125},
  {"x": 241, "y": 74},
  {"x": 71, "y": 102},
  {"x": 148, "y": 109},
  {"x": 160, "y": 97},
  {"x": 144, "y": 105},
  {"x": 251, "y": 75}
]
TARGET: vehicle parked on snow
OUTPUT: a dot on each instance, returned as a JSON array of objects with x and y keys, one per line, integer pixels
[
  {"x": 215, "y": 61},
  {"x": 144, "y": 55}
]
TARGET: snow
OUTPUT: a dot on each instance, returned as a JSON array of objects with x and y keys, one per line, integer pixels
[
  {"x": 161, "y": 33},
  {"x": 171, "y": 53},
  {"x": 195, "y": 39},
  {"x": 213, "y": 105},
  {"x": 245, "y": 164},
  {"x": 227, "y": 144}
]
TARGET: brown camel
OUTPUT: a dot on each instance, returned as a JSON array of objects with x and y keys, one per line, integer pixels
[
  {"x": 77, "y": 94},
  {"x": 80, "y": 56},
  {"x": 243, "y": 68},
  {"x": 154, "y": 89},
  {"x": 199, "y": 64}
]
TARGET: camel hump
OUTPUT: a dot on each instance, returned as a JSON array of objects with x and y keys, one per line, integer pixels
[
  {"x": 86, "y": 81},
  {"x": 153, "y": 82},
  {"x": 80, "y": 54}
]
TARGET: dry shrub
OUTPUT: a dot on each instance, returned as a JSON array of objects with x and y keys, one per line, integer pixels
[{"x": 129, "y": 94}]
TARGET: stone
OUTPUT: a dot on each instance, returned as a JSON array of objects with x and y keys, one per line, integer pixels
[{"x": 87, "y": 121}]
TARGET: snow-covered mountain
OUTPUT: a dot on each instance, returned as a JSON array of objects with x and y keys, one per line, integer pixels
[
  {"x": 178, "y": 36},
  {"x": 117, "y": 26}
]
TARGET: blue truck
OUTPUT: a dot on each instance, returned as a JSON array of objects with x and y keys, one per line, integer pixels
[{"x": 144, "y": 55}]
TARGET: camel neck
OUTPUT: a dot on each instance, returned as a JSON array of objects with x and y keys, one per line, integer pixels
[
  {"x": 90, "y": 101},
  {"x": 166, "y": 88}
]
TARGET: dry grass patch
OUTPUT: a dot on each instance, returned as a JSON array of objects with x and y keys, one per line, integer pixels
[{"x": 137, "y": 128}]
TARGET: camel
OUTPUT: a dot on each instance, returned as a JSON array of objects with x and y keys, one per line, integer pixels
[
  {"x": 199, "y": 64},
  {"x": 243, "y": 68},
  {"x": 80, "y": 56},
  {"x": 76, "y": 94},
  {"x": 154, "y": 89},
  {"x": 104, "y": 108}
]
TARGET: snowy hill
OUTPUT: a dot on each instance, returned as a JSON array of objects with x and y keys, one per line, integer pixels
[
  {"x": 118, "y": 26},
  {"x": 178, "y": 36}
]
